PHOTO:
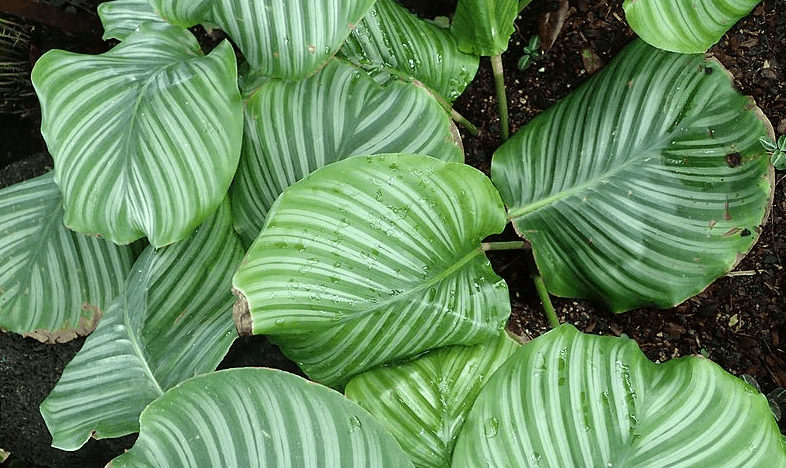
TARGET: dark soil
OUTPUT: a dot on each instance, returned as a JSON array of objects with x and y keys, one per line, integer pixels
[{"x": 739, "y": 321}]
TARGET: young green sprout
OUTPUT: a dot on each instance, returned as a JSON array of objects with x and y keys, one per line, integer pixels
[
  {"x": 531, "y": 52},
  {"x": 777, "y": 151}
]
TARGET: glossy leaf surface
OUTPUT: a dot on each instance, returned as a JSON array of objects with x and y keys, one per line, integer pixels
[
  {"x": 121, "y": 18},
  {"x": 424, "y": 402},
  {"x": 54, "y": 283},
  {"x": 484, "y": 27},
  {"x": 644, "y": 185},
  {"x": 295, "y": 127},
  {"x": 571, "y": 399},
  {"x": 152, "y": 112},
  {"x": 687, "y": 27},
  {"x": 259, "y": 418},
  {"x": 392, "y": 41},
  {"x": 279, "y": 38},
  {"x": 171, "y": 323},
  {"x": 373, "y": 259}
]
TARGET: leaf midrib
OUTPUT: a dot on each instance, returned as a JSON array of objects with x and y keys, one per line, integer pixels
[
  {"x": 424, "y": 285},
  {"x": 564, "y": 194}
]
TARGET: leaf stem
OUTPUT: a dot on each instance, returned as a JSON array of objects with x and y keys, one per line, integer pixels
[
  {"x": 502, "y": 100},
  {"x": 548, "y": 307},
  {"x": 461, "y": 120},
  {"x": 458, "y": 118},
  {"x": 508, "y": 245}
]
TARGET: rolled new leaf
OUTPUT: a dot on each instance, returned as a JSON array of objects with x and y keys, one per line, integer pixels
[
  {"x": 258, "y": 418},
  {"x": 280, "y": 38},
  {"x": 55, "y": 284},
  {"x": 171, "y": 322},
  {"x": 392, "y": 41},
  {"x": 146, "y": 137},
  {"x": 295, "y": 127},
  {"x": 374, "y": 259},
  {"x": 424, "y": 402},
  {"x": 572, "y": 399},
  {"x": 644, "y": 185},
  {"x": 687, "y": 27}
]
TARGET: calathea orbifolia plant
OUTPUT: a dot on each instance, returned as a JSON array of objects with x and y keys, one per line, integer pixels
[{"x": 328, "y": 158}]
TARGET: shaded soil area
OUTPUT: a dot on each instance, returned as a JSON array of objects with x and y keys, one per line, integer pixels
[{"x": 739, "y": 321}]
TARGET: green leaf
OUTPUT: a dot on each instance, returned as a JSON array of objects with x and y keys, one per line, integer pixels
[
  {"x": 171, "y": 323},
  {"x": 280, "y": 38},
  {"x": 687, "y": 27},
  {"x": 570, "y": 399},
  {"x": 374, "y": 259},
  {"x": 424, "y": 402},
  {"x": 54, "y": 283},
  {"x": 121, "y": 18},
  {"x": 484, "y": 27},
  {"x": 258, "y": 418},
  {"x": 644, "y": 185},
  {"x": 293, "y": 128},
  {"x": 151, "y": 113},
  {"x": 391, "y": 40}
]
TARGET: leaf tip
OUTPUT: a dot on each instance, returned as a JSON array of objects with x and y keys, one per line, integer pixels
[{"x": 241, "y": 314}]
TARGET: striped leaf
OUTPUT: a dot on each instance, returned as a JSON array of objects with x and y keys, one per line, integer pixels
[
  {"x": 391, "y": 40},
  {"x": 145, "y": 137},
  {"x": 570, "y": 399},
  {"x": 171, "y": 323},
  {"x": 644, "y": 185},
  {"x": 280, "y": 38},
  {"x": 258, "y": 418},
  {"x": 54, "y": 283},
  {"x": 681, "y": 26},
  {"x": 295, "y": 127},
  {"x": 121, "y": 18},
  {"x": 484, "y": 27},
  {"x": 425, "y": 402},
  {"x": 373, "y": 259}
]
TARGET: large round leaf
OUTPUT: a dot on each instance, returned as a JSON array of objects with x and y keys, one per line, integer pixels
[
  {"x": 145, "y": 137},
  {"x": 171, "y": 322},
  {"x": 483, "y": 27},
  {"x": 424, "y": 402},
  {"x": 680, "y": 26},
  {"x": 644, "y": 185},
  {"x": 391, "y": 40},
  {"x": 293, "y": 128},
  {"x": 280, "y": 38},
  {"x": 570, "y": 399},
  {"x": 373, "y": 259},
  {"x": 258, "y": 418},
  {"x": 54, "y": 283}
]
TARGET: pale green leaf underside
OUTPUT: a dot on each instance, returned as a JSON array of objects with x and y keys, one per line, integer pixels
[
  {"x": 570, "y": 399},
  {"x": 373, "y": 259},
  {"x": 150, "y": 113},
  {"x": 121, "y": 18},
  {"x": 484, "y": 27},
  {"x": 295, "y": 127},
  {"x": 625, "y": 187},
  {"x": 54, "y": 283},
  {"x": 172, "y": 322},
  {"x": 280, "y": 38},
  {"x": 259, "y": 418},
  {"x": 424, "y": 402},
  {"x": 392, "y": 41},
  {"x": 681, "y": 26}
]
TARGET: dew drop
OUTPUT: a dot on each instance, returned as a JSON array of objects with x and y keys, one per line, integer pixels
[
  {"x": 491, "y": 427},
  {"x": 354, "y": 423}
]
